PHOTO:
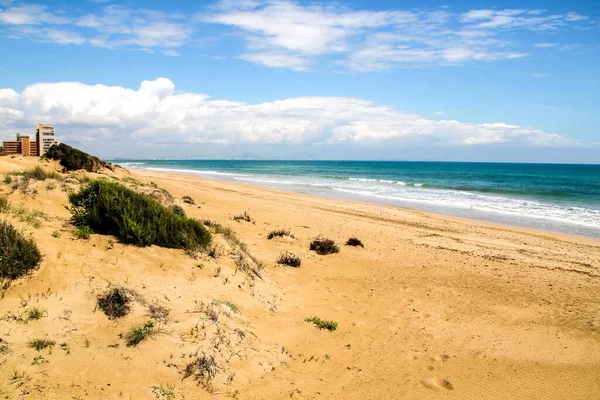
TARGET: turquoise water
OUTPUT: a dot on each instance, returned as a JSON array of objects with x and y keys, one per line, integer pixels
[{"x": 562, "y": 198}]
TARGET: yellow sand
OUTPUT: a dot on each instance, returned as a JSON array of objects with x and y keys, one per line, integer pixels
[{"x": 432, "y": 307}]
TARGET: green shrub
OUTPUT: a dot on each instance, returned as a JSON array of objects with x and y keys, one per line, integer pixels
[
  {"x": 178, "y": 210},
  {"x": 18, "y": 254},
  {"x": 110, "y": 208},
  {"x": 324, "y": 246},
  {"x": 72, "y": 159},
  {"x": 290, "y": 259},
  {"x": 322, "y": 324}
]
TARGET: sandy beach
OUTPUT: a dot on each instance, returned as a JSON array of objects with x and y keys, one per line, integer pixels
[{"x": 431, "y": 307}]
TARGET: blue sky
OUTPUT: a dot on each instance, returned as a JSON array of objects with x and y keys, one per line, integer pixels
[{"x": 458, "y": 80}]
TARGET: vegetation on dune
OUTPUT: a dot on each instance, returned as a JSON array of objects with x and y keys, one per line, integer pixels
[
  {"x": 188, "y": 200},
  {"x": 290, "y": 259},
  {"x": 4, "y": 204},
  {"x": 135, "y": 218},
  {"x": 114, "y": 303},
  {"x": 40, "y": 344},
  {"x": 354, "y": 242},
  {"x": 37, "y": 173},
  {"x": 322, "y": 324},
  {"x": 18, "y": 254},
  {"x": 279, "y": 233},
  {"x": 139, "y": 333},
  {"x": 178, "y": 210},
  {"x": 324, "y": 246},
  {"x": 72, "y": 159}
]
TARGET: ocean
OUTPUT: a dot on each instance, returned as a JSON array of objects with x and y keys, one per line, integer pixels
[{"x": 556, "y": 197}]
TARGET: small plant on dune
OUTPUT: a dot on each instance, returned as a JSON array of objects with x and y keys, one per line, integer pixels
[
  {"x": 36, "y": 313},
  {"x": 139, "y": 333},
  {"x": 7, "y": 179},
  {"x": 41, "y": 344},
  {"x": 322, "y": 324},
  {"x": 135, "y": 218},
  {"x": 82, "y": 232},
  {"x": 243, "y": 217},
  {"x": 204, "y": 369},
  {"x": 279, "y": 233},
  {"x": 56, "y": 234},
  {"x": 161, "y": 392},
  {"x": 4, "y": 204},
  {"x": 354, "y": 242},
  {"x": 158, "y": 313},
  {"x": 324, "y": 246},
  {"x": 178, "y": 210},
  {"x": 188, "y": 200},
  {"x": 115, "y": 303},
  {"x": 18, "y": 254},
  {"x": 37, "y": 173},
  {"x": 290, "y": 259},
  {"x": 234, "y": 308}
]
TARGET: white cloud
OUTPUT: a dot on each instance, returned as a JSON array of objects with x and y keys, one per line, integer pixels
[
  {"x": 292, "y": 35},
  {"x": 540, "y": 75},
  {"x": 545, "y": 45},
  {"x": 30, "y": 14},
  {"x": 155, "y": 113},
  {"x": 438, "y": 113},
  {"x": 298, "y": 36}
]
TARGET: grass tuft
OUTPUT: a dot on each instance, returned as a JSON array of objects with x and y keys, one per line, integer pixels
[
  {"x": 322, "y": 324},
  {"x": 234, "y": 308},
  {"x": 204, "y": 369},
  {"x": 139, "y": 333},
  {"x": 290, "y": 259},
  {"x": 18, "y": 254},
  {"x": 4, "y": 204},
  {"x": 115, "y": 303},
  {"x": 37, "y": 173},
  {"x": 279, "y": 233},
  {"x": 41, "y": 344},
  {"x": 36, "y": 313},
  {"x": 82, "y": 232},
  {"x": 354, "y": 242},
  {"x": 324, "y": 246},
  {"x": 243, "y": 217}
]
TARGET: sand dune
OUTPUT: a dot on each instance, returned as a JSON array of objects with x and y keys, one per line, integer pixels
[{"x": 431, "y": 307}]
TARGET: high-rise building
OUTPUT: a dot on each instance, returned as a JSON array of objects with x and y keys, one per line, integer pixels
[{"x": 44, "y": 135}]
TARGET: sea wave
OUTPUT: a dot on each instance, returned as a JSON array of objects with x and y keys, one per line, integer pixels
[{"x": 194, "y": 171}]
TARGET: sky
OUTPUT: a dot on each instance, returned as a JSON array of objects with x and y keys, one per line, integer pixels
[{"x": 395, "y": 80}]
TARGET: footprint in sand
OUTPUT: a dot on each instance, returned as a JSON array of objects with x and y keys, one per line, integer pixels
[{"x": 437, "y": 384}]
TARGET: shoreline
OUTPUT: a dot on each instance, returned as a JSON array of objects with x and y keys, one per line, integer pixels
[{"x": 148, "y": 173}]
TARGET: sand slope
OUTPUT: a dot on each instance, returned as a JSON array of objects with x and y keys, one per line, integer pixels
[{"x": 432, "y": 307}]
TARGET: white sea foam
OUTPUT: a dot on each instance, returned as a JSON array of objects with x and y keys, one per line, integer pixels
[{"x": 396, "y": 192}]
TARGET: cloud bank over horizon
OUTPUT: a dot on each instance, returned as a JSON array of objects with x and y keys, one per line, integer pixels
[{"x": 119, "y": 121}]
